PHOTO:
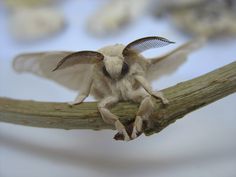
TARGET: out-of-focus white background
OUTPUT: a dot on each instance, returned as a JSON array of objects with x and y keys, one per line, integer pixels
[{"x": 201, "y": 144}]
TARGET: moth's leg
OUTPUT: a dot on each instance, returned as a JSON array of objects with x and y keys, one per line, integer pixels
[
  {"x": 110, "y": 118},
  {"x": 84, "y": 92},
  {"x": 144, "y": 83},
  {"x": 160, "y": 95},
  {"x": 79, "y": 99},
  {"x": 145, "y": 110}
]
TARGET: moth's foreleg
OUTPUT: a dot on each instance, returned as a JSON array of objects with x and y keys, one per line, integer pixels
[
  {"x": 144, "y": 83},
  {"x": 79, "y": 99},
  {"x": 110, "y": 118},
  {"x": 84, "y": 92},
  {"x": 160, "y": 95}
]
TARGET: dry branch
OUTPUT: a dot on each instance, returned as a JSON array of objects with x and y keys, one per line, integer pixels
[{"x": 184, "y": 98}]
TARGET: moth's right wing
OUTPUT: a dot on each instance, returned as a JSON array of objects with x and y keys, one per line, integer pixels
[
  {"x": 43, "y": 63},
  {"x": 170, "y": 62}
]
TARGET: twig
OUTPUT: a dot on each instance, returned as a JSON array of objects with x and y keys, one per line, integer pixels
[{"x": 184, "y": 98}]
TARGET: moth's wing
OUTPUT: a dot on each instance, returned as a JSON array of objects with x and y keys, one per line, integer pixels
[
  {"x": 42, "y": 64},
  {"x": 170, "y": 62}
]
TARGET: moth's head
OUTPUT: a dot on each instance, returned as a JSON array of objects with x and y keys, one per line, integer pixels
[
  {"x": 114, "y": 65},
  {"x": 117, "y": 56}
]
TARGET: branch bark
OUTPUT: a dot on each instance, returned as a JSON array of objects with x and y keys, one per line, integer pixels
[{"x": 184, "y": 98}]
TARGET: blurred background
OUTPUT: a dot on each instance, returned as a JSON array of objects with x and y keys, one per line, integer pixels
[{"x": 201, "y": 144}]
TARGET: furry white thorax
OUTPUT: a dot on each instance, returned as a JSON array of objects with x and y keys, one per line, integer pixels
[{"x": 122, "y": 89}]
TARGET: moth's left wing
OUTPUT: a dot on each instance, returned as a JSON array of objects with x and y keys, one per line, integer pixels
[
  {"x": 42, "y": 64},
  {"x": 170, "y": 62}
]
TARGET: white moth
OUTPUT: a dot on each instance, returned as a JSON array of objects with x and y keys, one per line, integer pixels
[{"x": 112, "y": 74}]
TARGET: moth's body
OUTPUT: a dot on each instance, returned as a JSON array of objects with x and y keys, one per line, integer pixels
[
  {"x": 114, "y": 80},
  {"x": 120, "y": 85},
  {"x": 114, "y": 73}
]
